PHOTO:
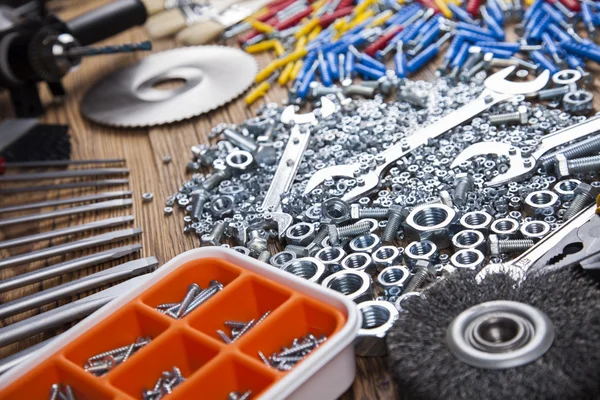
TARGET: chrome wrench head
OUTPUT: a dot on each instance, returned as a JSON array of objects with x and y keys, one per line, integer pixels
[
  {"x": 495, "y": 84},
  {"x": 289, "y": 113},
  {"x": 519, "y": 166},
  {"x": 498, "y": 83}
]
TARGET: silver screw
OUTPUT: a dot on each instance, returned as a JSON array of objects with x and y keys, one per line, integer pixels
[
  {"x": 393, "y": 224},
  {"x": 422, "y": 271},
  {"x": 199, "y": 198},
  {"x": 554, "y": 92},
  {"x": 192, "y": 292},
  {"x": 578, "y": 165},
  {"x": 498, "y": 246},
  {"x": 584, "y": 194},
  {"x": 336, "y": 233},
  {"x": 216, "y": 178},
  {"x": 206, "y": 294},
  {"x": 463, "y": 184},
  {"x": 587, "y": 146},
  {"x": 518, "y": 117},
  {"x": 214, "y": 237}
]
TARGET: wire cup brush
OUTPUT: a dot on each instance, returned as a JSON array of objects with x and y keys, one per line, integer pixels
[{"x": 494, "y": 338}]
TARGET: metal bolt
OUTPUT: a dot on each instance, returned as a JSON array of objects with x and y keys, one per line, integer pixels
[
  {"x": 577, "y": 166},
  {"x": 422, "y": 271},
  {"x": 554, "y": 92},
  {"x": 587, "y": 146},
  {"x": 584, "y": 194},
  {"x": 199, "y": 198},
  {"x": 214, "y": 237},
  {"x": 336, "y": 233},
  {"x": 463, "y": 184},
  {"x": 509, "y": 246},
  {"x": 241, "y": 141},
  {"x": 356, "y": 212},
  {"x": 518, "y": 117},
  {"x": 216, "y": 178}
]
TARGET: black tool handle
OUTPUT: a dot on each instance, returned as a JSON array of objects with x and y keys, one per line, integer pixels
[{"x": 107, "y": 21}]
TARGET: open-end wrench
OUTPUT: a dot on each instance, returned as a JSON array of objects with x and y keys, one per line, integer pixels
[
  {"x": 291, "y": 159},
  {"x": 497, "y": 89},
  {"x": 521, "y": 167}
]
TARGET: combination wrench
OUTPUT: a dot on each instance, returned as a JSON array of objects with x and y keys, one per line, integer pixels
[
  {"x": 497, "y": 89},
  {"x": 521, "y": 167}
]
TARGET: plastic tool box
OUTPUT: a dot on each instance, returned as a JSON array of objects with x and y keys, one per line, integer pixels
[{"x": 211, "y": 367}]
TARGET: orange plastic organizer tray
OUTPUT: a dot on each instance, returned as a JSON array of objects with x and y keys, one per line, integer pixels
[{"x": 212, "y": 368}]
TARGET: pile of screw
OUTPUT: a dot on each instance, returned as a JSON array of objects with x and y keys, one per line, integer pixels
[
  {"x": 288, "y": 357},
  {"x": 194, "y": 298},
  {"x": 336, "y": 40},
  {"x": 238, "y": 328},
  {"x": 59, "y": 391},
  {"x": 102, "y": 363},
  {"x": 164, "y": 385},
  {"x": 239, "y": 396}
]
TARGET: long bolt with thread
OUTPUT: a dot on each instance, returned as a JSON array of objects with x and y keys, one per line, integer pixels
[
  {"x": 518, "y": 117},
  {"x": 582, "y": 148},
  {"x": 515, "y": 245},
  {"x": 393, "y": 224},
  {"x": 422, "y": 272},
  {"x": 583, "y": 165},
  {"x": 579, "y": 202}
]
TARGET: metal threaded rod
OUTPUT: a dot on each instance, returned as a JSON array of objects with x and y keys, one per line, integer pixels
[
  {"x": 421, "y": 274},
  {"x": 554, "y": 92},
  {"x": 393, "y": 225},
  {"x": 515, "y": 246},
  {"x": 354, "y": 230},
  {"x": 577, "y": 204},
  {"x": 582, "y": 165},
  {"x": 377, "y": 213},
  {"x": 97, "y": 51},
  {"x": 584, "y": 147}
]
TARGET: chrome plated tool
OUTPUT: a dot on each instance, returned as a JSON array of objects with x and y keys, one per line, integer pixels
[
  {"x": 94, "y": 241},
  {"x": 521, "y": 166},
  {"x": 71, "y": 173},
  {"x": 497, "y": 89},
  {"x": 213, "y": 76},
  {"x": 69, "y": 185},
  {"x": 66, "y": 267},
  {"x": 104, "y": 205},
  {"x": 291, "y": 159},
  {"x": 104, "y": 223},
  {"x": 60, "y": 202},
  {"x": 57, "y": 163},
  {"x": 93, "y": 281},
  {"x": 64, "y": 314}
]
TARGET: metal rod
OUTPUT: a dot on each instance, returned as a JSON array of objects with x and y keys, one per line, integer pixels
[
  {"x": 120, "y": 48},
  {"x": 69, "y": 185},
  {"x": 17, "y": 358},
  {"x": 60, "y": 202},
  {"x": 64, "y": 314},
  {"x": 90, "y": 282},
  {"x": 104, "y": 223},
  {"x": 60, "y": 163},
  {"x": 72, "y": 173},
  {"x": 62, "y": 249},
  {"x": 104, "y": 205},
  {"x": 67, "y": 267}
]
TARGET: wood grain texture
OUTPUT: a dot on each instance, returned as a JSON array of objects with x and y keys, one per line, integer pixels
[{"x": 144, "y": 150}]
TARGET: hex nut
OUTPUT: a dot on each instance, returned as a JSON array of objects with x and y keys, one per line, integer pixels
[
  {"x": 308, "y": 268},
  {"x": 240, "y": 161},
  {"x": 430, "y": 222},
  {"x": 355, "y": 285},
  {"x": 469, "y": 239},
  {"x": 505, "y": 228},
  {"x": 358, "y": 262},
  {"x": 392, "y": 276},
  {"x": 535, "y": 230},
  {"x": 405, "y": 296},
  {"x": 423, "y": 250},
  {"x": 300, "y": 234},
  {"x": 221, "y": 206},
  {"x": 337, "y": 210},
  {"x": 378, "y": 317},
  {"x": 565, "y": 189},
  {"x": 331, "y": 255},
  {"x": 477, "y": 220},
  {"x": 538, "y": 202},
  {"x": 280, "y": 259},
  {"x": 471, "y": 259},
  {"x": 385, "y": 256},
  {"x": 365, "y": 243}
]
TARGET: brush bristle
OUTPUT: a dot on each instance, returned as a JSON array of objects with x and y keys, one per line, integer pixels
[{"x": 424, "y": 368}]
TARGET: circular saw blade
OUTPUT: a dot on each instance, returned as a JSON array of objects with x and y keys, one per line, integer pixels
[{"x": 213, "y": 76}]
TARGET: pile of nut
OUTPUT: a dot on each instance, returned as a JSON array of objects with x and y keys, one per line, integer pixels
[{"x": 444, "y": 218}]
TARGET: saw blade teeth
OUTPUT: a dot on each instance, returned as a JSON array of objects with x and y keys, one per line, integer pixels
[{"x": 217, "y": 75}]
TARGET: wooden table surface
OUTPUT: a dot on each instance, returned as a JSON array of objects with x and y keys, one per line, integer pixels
[{"x": 144, "y": 150}]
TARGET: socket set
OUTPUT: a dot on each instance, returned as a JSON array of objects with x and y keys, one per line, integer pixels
[{"x": 288, "y": 330}]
